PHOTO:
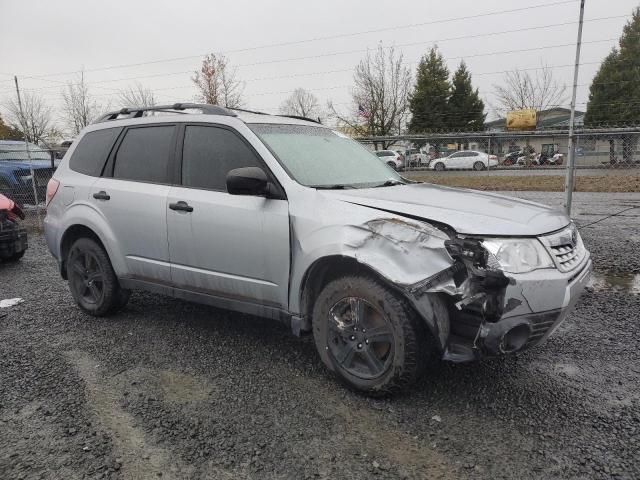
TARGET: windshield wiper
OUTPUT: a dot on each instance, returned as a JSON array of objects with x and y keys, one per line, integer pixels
[
  {"x": 338, "y": 186},
  {"x": 389, "y": 183}
]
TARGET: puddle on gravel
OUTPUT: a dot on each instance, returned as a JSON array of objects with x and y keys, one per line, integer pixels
[{"x": 615, "y": 281}]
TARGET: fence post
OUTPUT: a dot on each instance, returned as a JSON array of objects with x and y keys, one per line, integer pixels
[
  {"x": 26, "y": 145},
  {"x": 571, "y": 160}
]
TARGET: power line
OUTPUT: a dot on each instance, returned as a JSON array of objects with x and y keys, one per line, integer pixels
[
  {"x": 545, "y": 47},
  {"x": 329, "y": 37}
]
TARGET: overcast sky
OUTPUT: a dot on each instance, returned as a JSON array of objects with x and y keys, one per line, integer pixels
[{"x": 53, "y": 39}]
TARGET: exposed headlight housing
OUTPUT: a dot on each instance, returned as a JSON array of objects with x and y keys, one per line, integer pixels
[{"x": 517, "y": 255}]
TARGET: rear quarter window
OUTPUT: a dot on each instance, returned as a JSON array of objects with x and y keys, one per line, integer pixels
[{"x": 91, "y": 153}]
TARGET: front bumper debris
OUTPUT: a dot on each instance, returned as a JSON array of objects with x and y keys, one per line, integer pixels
[{"x": 13, "y": 240}]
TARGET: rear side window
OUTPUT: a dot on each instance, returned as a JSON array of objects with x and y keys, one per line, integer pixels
[
  {"x": 92, "y": 151},
  {"x": 209, "y": 153},
  {"x": 144, "y": 154}
]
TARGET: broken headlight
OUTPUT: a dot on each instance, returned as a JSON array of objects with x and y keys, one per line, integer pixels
[{"x": 517, "y": 255}]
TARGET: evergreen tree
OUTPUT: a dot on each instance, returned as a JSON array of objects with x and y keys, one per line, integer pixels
[
  {"x": 614, "y": 96},
  {"x": 429, "y": 101},
  {"x": 465, "y": 108}
]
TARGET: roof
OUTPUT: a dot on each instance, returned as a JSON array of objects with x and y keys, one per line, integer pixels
[
  {"x": 179, "y": 112},
  {"x": 12, "y": 165}
]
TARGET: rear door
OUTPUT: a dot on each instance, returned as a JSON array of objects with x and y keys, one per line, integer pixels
[
  {"x": 232, "y": 246},
  {"x": 132, "y": 196}
]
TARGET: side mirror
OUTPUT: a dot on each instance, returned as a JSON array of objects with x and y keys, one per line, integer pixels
[{"x": 247, "y": 181}]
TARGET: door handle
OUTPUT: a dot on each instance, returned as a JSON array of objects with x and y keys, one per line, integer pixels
[
  {"x": 181, "y": 206},
  {"x": 101, "y": 195}
]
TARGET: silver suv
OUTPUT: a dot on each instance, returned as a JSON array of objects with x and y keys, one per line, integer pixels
[{"x": 287, "y": 219}]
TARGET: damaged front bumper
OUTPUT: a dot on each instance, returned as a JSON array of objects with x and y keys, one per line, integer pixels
[{"x": 495, "y": 319}]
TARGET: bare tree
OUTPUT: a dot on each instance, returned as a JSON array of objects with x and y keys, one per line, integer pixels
[
  {"x": 302, "y": 103},
  {"x": 217, "y": 82},
  {"x": 36, "y": 119},
  {"x": 521, "y": 90},
  {"x": 379, "y": 96},
  {"x": 136, "y": 95},
  {"x": 79, "y": 107}
]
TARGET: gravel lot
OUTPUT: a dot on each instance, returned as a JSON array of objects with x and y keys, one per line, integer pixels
[{"x": 174, "y": 390}]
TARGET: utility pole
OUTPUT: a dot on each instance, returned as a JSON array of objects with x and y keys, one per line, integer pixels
[
  {"x": 571, "y": 161},
  {"x": 26, "y": 146}
]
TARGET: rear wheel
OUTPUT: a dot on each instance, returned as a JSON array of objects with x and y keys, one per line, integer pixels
[
  {"x": 439, "y": 166},
  {"x": 392, "y": 165},
  {"x": 368, "y": 335},
  {"x": 92, "y": 281},
  {"x": 479, "y": 166}
]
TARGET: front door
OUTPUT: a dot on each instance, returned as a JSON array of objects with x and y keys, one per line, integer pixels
[{"x": 232, "y": 246}]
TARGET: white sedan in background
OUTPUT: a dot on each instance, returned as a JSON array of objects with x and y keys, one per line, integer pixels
[
  {"x": 464, "y": 160},
  {"x": 394, "y": 159}
]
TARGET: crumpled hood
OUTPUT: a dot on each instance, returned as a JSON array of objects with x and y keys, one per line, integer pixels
[{"x": 467, "y": 211}]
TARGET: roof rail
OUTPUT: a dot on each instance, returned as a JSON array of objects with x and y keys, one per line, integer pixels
[
  {"x": 299, "y": 117},
  {"x": 248, "y": 111},
  {"x": 137, "y": 112}
]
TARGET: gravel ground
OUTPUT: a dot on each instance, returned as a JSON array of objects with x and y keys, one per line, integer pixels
[{"x": 174, "y": 390}]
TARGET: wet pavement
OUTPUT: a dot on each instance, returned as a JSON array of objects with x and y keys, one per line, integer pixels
[{"x": 168, "y": 389}]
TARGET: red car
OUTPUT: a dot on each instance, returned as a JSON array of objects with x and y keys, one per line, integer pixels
[{"x": 13, "y": 237}]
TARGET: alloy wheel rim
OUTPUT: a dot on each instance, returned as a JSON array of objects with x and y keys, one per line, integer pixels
[
  {"x": 360, "y": 338},
  {"x": 87, "y": 277}
]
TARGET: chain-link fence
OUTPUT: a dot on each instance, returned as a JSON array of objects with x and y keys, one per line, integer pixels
[
  {"x": 482, "y": 151},
  {"x": 487, "y": 159},
  {"x": 24, "y": 174}
]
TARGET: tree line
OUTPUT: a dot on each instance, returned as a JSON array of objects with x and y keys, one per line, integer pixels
[{"x": 387, "y": 98}]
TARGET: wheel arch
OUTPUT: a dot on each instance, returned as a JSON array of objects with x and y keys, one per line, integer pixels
[
  {"x": 70, "y": 235},
  {"x": 329, "y": 268},
  {"x": 430, "y": 308}
]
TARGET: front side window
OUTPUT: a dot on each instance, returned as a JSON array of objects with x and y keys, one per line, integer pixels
[
  {"x": 91, "y": 153},
  {"x": 209, "y": 153},
  {"x": 144, "y": 154},
  {"x": 320, "y": 157}
]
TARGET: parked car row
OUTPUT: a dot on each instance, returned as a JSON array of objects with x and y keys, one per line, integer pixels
[{"x": 459, "y": 160}]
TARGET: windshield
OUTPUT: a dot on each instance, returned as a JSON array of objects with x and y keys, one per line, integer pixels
[{"x": 319, "y": 157}]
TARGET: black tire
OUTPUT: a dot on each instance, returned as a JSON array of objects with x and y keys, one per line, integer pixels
[
  {"x": 478, "y": 166},
  {"x": 92, "y": 281},
  {"x": 14, "y": 258},
  {"x": 439, "y": 166},
  {"x": 392, "y": 165},
  {"x": 396, "y": 336}
]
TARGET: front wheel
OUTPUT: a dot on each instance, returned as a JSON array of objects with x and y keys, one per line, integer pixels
[
  {"x": 439, "y": 166},
  {"x": 392, "y": 165},
  {"x": 368, "y": 335},
  {"x": 92, "y": 281}
]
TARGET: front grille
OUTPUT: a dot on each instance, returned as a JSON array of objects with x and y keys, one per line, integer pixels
[
  {"x": 565, "y": 247},
  {"x": 567, "y": 257}
]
